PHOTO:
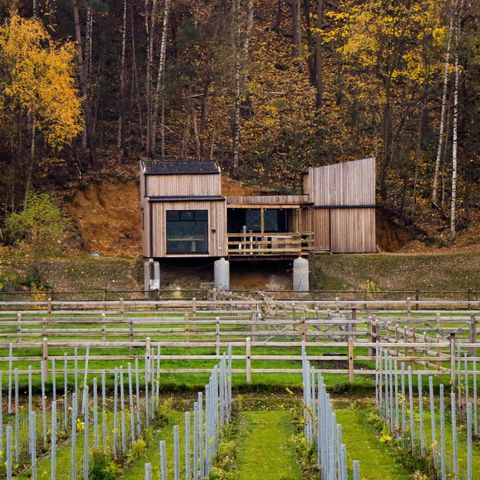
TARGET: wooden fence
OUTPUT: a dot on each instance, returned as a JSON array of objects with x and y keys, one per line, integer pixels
[{"x": 266, "y": 335}]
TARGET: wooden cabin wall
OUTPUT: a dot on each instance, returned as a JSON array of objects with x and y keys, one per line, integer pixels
[
  {"x": 144, "y": 216},
  {"x": 217, "y": 220},
  {"x": 183, "y": 185},
  {"x": 335, "y": 188},
  {"x": 342, "y": 184},
  {"x": 321, "y": 229},
  {"x": 353, "y": 230}
]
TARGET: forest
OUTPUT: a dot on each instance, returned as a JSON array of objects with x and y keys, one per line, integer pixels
[{"x": 264, "y": 87}]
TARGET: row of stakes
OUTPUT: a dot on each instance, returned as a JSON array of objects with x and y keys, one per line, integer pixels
[
  {"x": 396, "y": 401},
  {"x": 321, "y": 427},
  {"x": 84, "y": 409},
  {"x": 211, "y": 413}
]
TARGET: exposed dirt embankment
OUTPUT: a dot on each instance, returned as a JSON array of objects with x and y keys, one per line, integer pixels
[
  {"x": 390, "y": 237},
  {"x": 107, "y": 215},
  {"x": 108, "y": 218}
]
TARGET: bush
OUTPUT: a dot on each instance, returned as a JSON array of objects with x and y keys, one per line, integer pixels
[
  {"x": 40, "y": 226},
  {"x": 103, "y": 467}
]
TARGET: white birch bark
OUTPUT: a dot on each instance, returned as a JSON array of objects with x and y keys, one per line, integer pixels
[
  {"x": 441, "y": 137},
  {"x": 453, "y": 205},
  {"x": 160, "y": 88}
]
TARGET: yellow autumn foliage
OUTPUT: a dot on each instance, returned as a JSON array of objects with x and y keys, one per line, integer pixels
[{"x": 39, "y": 79}]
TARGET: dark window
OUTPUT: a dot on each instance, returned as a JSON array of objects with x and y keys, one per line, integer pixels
[{"x": 187, "y": 231}]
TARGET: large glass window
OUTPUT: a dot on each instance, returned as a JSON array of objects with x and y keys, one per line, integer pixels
[{"x": 187, "y": 231}]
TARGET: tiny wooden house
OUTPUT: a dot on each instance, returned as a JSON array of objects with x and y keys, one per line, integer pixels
[{"x": 184, "y": 213}]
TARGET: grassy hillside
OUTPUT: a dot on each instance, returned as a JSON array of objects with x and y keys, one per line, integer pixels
[{"x": 396, "y": 271}]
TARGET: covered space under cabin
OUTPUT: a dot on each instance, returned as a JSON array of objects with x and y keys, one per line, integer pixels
[
  {"x": 185, "y": 215},
  {"x": 267, "y": 226}
]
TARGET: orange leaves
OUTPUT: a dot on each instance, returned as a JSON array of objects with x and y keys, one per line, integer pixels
[{"x": 40, "y": 79}]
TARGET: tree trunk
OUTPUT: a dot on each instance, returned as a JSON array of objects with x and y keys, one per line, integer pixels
[
  {"x": 442, "y": 114},
  {"x": 387, "y": 142},
  {"x": 150, "y": 19},
  {"x": 203, "y": 116},
  {"x": 453, "y": 204},
  {"x": 319, "y": 59},
  {"x": 160, "y": 89},
  {"x": 121, "y": 119},
  {"x": 296, "y": 26},
  {"x": 419, "y": 144},
  {"x": 135, "y": 82},
  {"x": 28, "y": 181},
  {"x": 236, "y": 108},
  {"x": 83, "y": 84},
  {"x": 278, "y": 17}
]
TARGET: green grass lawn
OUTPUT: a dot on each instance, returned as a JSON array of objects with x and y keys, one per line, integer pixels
[
  {"x": 265, "y": 451},
  {"x": 362, "y": 442}
]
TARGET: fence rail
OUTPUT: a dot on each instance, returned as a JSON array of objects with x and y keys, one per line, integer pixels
[{"x": 266, "y": 334}]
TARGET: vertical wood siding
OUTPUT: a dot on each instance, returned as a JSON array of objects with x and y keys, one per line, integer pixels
[
  {"x": 353, "y": 230},
  {"x": 217, "y": 220},
  {"x": 183, "y": 185},
  {"x": 349, "y": 183},
  {"x": 343, "y": 229}
]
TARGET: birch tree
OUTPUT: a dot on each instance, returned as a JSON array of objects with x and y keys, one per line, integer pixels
[
  {"x": 453, "y": 204},
  {"x": 150, "y": 21},
  {"x": 160, "y": 88},
  {"x": 441, "y": 136}
]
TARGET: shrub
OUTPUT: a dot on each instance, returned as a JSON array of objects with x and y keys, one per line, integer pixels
[
  {"x": 103, "y": 467},
  {"x": 40, "y": 225}
]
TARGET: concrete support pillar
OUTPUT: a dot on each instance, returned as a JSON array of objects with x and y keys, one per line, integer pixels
[
  {"x": 221, "y": 274},
  {"x": 151, "y": 275},
  {"x": 301, "y": 275}
]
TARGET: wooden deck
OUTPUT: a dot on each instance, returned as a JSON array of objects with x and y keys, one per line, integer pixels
[{"x": 269, "y": 244}]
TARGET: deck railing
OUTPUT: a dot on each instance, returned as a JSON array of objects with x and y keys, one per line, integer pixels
[{"x": 265, "y": 244}]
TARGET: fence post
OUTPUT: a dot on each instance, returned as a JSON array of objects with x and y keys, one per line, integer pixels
[
  {"x": 45, "y": 358},
  {"x": 148, "y": 350},
  {"x": 353, "y": 325},
  {"x": 371, "y": 350},
  {"x": 186, "y": 327},
  {"x": 19, "y": 326},
  {"x": 130, "y": 334},
  {"x": 452, "y": 361},
  {"x": 248, "y": 359},
  {"x": 409, "y": 305},
  {"x": 253, "y": 319},
  {"x": 104, "y": 330},
  {"x": 49, "y": 305},
  {"x": 473, "y": 334},
  {"x": 350, "y": 361},
  {"x": 217, "y": 336},
  {"x": 304, "y": 325},
  {"x": 417, "y": 298}
]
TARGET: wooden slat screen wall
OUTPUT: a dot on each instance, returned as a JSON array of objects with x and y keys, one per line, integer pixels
[
  {"x": 353, "y": 230},
  {"x": 349, "y": 183},
  {"x": 217, "y": 220},
  {"x": 321, "y": 229},
  {"x": 337, "y": 228},
  {"x": 183, "y": 185}
]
